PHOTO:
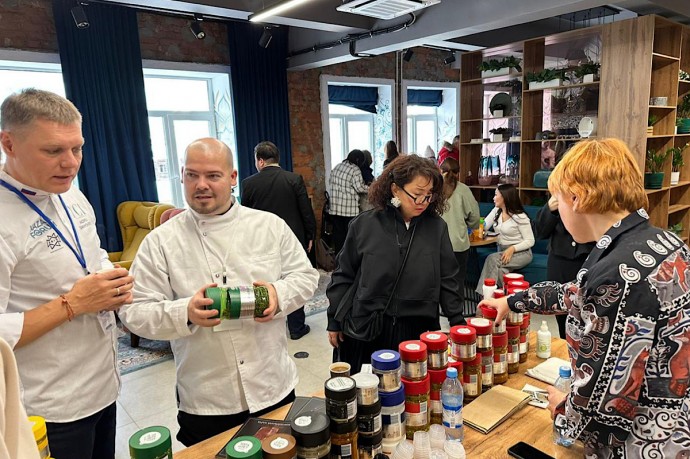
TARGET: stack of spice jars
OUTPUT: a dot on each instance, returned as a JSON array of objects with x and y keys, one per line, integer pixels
[
  {"x": 386, "y": 365},
  {"x": 341, "y": 407},
  {"x": 437, "y": 362},
  {"x": 312, "y": 435},
  {"x": 485, "y": 349},
  {"x": 370, "y": 440},
  {"x": 500, "y": 342},
  {"x": 463, "y": 348},
  {"x": 417, "y": 384},
  {"x": 513, "y": 332}
]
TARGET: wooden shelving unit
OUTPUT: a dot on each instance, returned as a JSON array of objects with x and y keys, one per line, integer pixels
[{"x": 640, "y": 58}]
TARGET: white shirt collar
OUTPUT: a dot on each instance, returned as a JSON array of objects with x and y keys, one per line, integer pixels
[{"x": 27, "y": 190}]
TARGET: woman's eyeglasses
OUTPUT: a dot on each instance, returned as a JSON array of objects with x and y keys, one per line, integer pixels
[{"x": 421, "y": 199}]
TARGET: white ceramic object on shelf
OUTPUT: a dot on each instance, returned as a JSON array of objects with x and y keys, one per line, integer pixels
[
  {"x": 515, "y": 138},
  {"x": 498, "y": 114},
  {"x": 497, "y": 137},
  {"x": 476, "y": 140},
  {"x": 658, "y": 101},
  {"x": 556, "y": 82},
  {"x": 675, "y": 178},
  {"x": 589, "y": 78},
  {"x": 494, "y": 73},
  {"x": 587, "y": 126}
]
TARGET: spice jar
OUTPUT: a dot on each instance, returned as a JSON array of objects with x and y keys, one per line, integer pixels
[
  {"x": 393, "y": 414},
  {"x": 521, "y": 284},
  {"x": 508, "y": 277},
  {"x": 369, "y": 419},
  {"x": 491, "y": 314},
  {"x": 386, "y": 365},
  {"x": 499, "y": 293},
  {"x": 341, "y": 399},
  {"x": 238, "y": 302},
  {"x": 416, "y": 405},
  {"x": 500, "y": 358},
  {"x": 472, "y": 378},
  {"x": 344, "y": 440},
  {"x": 369, "y": 447},
  {"x": 244, "y": 447},
  {"x": 513, "y": 348},
  {"x": 437, "y": 349},
  {"x": 435, "y": 407},
  {"x": 154, "y": 443},
  {"x": 279, "y": 446},
  {"x": 463, "y": 343},
  {"x": 311, "y": 432},
  {"x": 485, "y": 348},
  {"x": 367, "y": 388},
  {"x": 524, "y": 330},
  {"x": 413, "y": 356}
]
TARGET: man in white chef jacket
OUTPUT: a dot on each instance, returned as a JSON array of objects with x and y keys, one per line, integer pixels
[{"x": 225, "y": 372}]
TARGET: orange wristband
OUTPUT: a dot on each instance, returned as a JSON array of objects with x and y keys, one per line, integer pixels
[{"x": 68, "y": 308}]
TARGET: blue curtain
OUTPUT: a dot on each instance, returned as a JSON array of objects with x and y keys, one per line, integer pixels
[
  {"x": 259, "y": 92},
  {"x": 361, "y": 97},
  {"x": 101, "y": 67},
  {"x": 425, "y": 97}
]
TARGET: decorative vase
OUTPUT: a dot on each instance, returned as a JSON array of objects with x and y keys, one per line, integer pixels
[
  {"x": 653, "y": 181},
  {"x": 498, "y": 114},
  {"x": 497, "y": 137},
  {"x": 675, "y": 178},
  {"x": 494, "y": 73},
  {"x": 589, "y": 78},
  {"x": 684, "y": 127},
  {"x": 556, "y": 82}
]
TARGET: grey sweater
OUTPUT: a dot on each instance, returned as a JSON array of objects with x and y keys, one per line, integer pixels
[{"x": 462, "y": 213}]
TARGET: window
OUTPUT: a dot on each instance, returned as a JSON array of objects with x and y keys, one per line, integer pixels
[
  {"x": 421, "y": 129},
  {"x": 350, "y": 129}
]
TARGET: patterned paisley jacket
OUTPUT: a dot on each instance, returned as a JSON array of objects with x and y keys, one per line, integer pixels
[{"x": 628, "y": 333}]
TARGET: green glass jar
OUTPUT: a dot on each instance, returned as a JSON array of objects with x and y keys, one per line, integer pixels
[
  {"x": 238, "y": 302},
  {"x": 244, "y": 447},
  {"x": 151, "y": 443}
]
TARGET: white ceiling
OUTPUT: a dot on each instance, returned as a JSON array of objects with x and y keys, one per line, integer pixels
[{"x": 456, "y": 24}]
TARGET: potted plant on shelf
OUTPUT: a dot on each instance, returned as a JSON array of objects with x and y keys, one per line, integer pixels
[
  {"x": 684, "y": 76},
  {"x": 683, "y": 115},
  {"x": 547, "y": 78},
  {"x": 500, "y": 134},
  {"x": 495, "y": 67},
  {"x": 677, "y": 229},
  {"x": 677, "y": 162},
  {"x": 588, "y": 72},
  {"x": 651, "y": 121},
  {"x": 654, "y": 164}
]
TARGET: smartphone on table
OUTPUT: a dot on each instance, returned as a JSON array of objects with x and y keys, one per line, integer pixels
[{"x": 522, "y": 450}]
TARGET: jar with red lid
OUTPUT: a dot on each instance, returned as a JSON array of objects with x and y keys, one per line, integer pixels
[
  {"x": 500, "y": 358},
  {"x": 515, "y": 318},
  {"x": 508, "y": 277},
  {"x": 437, "y": 349},
  {"x": 499, "y": 293},
  {"x": 523, "y": 284},
  {"x": 435, "y": 407},
  {"x": 463, "y": 343},
  {"x": 472, "y": 378},
  {"x": 524, "y": 331},
  {"x": 485, "y": 348},
  {"x": 416, "y": 405},
  {"x": 413, "y": 355},
  {"x": 491, "y": 314},
  {"x": 457, "y": 364},
  {"x": 525, "y": 325},
  {"x": 513, "y": 348}
]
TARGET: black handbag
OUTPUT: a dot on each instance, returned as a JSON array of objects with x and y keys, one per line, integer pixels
[{"x": 369, "y": 327}]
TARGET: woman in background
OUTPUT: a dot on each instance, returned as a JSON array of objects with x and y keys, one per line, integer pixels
[
  {"x": 515, "y": 236},
  {"x": 462, "y": 213},
  {"x": 368, "y": 177},
  {"x": 408, "y": 200},
  {"x": 391, "y": 152}
]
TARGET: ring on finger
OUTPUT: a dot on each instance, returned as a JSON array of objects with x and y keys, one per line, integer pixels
[{"x": 117, "y": 290}]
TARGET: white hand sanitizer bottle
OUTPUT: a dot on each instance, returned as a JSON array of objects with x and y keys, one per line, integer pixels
[{"x": 543, "y": 341}]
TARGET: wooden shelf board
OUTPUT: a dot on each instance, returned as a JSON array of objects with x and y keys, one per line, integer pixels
[
  {"x": 527, "y": 188},
  {"x": 680, "y": 184},
  {"x": 662, "y": 107},
  {"x": 660, "y": 190},
  {"x": 677, "y": 208},
  {"x": 495, "y": 79},
  {"x": 486, "y": 143},
  {"x": 659, "y": 136},
  {"x": 483, "y": 187},
  {"x": 490, "y": 118},
  {"x": 556, "y": 88}
]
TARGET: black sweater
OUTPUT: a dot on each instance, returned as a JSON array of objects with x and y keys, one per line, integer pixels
[{"x": 376, "y": 243}]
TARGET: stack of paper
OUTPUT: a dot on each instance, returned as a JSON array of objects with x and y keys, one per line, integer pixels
[
  {"x": 493, "y": 407},
  {"x": 547, "y": 371}
]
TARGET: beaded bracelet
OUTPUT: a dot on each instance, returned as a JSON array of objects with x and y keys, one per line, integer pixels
[{"x": 68, "y": 308}]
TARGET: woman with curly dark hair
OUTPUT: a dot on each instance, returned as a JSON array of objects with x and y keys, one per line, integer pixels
[{"x": 404, "y": 230}]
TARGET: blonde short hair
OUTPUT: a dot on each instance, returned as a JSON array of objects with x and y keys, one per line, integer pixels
[
  {"x": 22, "y": 108},
  {"x": 603, "y": 175}
]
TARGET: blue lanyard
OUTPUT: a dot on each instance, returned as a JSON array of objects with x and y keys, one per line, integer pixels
[{"x": 80, "y": 255}]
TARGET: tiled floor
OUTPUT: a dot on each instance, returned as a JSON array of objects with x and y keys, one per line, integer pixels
[{"x": 148, "y": 396}]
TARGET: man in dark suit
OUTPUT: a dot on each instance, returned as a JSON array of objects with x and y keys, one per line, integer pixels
[{"x": 282, "y": 193}]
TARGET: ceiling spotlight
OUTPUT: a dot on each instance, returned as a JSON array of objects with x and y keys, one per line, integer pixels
[
  {"x": 266, "y": 38},
  {"x": 407, "y": 56},
  {"x": 79, "y": 16},
  {"x": 195, "y": 27},
  {"x": 450, "y": 59}
]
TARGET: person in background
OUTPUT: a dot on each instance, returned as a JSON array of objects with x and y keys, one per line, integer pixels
[
  {"x": 565, "y": 255},
  {"x": 282, "y": 193},
  {"x": 628, "y": 326},
  {"x": 450, "y": 150},
  {"x": 462, "y": 213},
  {"x": 515, "y": 236},
  {"x": 391, "y": 152},
  {"x": 225, "y": 372},
  {"x": 57, "y": 287},
  {"x": 368, "y": 177},
  {"x": 345, "y": 185},
  {"x": 408, "y": 200}
]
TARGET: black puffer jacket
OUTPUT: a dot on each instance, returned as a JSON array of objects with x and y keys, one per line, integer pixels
[{"x": 376, "y": 243}]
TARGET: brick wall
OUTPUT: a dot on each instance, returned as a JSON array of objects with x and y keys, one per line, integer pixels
[{"x": 28, "y": 25}]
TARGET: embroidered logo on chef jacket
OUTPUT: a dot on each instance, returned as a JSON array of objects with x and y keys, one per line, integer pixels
[
  {"x": 54, "y": 242},
  {"x": 38, "y": 228}
]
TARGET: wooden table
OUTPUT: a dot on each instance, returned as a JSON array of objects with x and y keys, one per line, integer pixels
[
  {"x": 531, "y": 425},
  {"x": 486, "y": 241}
]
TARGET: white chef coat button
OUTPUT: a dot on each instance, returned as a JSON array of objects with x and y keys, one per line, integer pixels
[
  {"x": 241, "y": 362},
  {"x": 574, "y": 243},
  {"x": 204, "y": 234},
  {"x": 217, "y": 276}
]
